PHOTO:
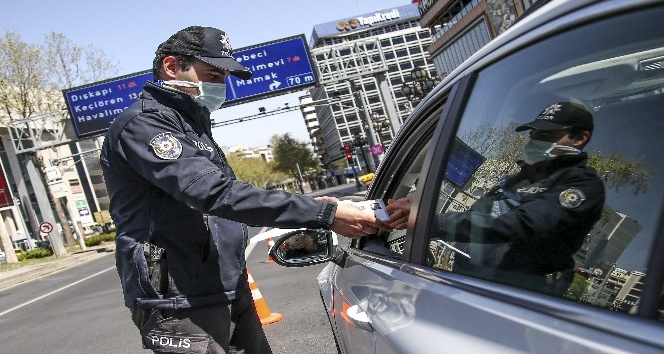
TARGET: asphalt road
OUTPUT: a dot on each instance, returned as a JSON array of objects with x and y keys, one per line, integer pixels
[{"x": 80, "y": 309}]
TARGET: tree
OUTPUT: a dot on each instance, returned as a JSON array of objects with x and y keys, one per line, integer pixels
[
  {"x": 255, "y": 171},
  {"x": 577, "y": 287},
  {"x": 22, "y": 83},
  {"x": 617, "y": 172},
  {"x": 292, "y": 156},
  {"x": 32, "y": 77},
  {"x": 72, "y": 65},
  {"x": 502, "y": 148}
]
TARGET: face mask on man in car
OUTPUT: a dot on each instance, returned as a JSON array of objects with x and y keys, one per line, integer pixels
[
  {"x": 538, "y": 150},
  {"x": 212, "y": 95}
]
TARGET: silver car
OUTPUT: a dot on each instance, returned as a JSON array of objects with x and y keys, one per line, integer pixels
[{"x": 410, "y": 290}]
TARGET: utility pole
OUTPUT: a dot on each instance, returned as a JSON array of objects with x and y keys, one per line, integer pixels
[
  {"x": 54, "y": 237},
  {"x": 299, "y": 178},
  {"x": 360, "y": 142},
  {"x": 359, "y": 102}
]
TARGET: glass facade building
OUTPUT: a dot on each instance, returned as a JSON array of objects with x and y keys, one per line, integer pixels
[{"x": 362, "y": 63}]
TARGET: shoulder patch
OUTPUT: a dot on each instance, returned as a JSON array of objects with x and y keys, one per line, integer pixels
[
  {"x": 166, "y": 146},
  {"x": 571, "y": 198}
]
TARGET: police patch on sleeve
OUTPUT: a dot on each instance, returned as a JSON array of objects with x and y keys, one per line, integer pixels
[
  {"x": 166, "y": 146},
  {"x": 571, "y": 198}
]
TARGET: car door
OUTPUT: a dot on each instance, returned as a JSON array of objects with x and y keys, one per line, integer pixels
[
  {"x": 406, "y": 289},
  {"x": 615, "y": 286},
  {"x": 364, "y": 285}
]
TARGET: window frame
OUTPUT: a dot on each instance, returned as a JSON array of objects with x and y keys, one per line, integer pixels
[
  {"x": 392, "y": 168},
  {"x": 424, "y": 206},
  {"x": 420, "y": 220}
]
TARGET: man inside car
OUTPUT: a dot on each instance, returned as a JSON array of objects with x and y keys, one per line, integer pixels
[{"x": 543, "y": 213}]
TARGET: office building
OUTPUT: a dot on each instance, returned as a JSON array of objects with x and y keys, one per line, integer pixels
[
  {"x": 461, "y": 27},
  {"x": 362, "y": 63}
]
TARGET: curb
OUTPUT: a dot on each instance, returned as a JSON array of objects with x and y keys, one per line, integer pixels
[{"x": 25, "y": 274}]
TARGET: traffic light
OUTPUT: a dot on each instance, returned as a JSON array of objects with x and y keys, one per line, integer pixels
[{"x": 348, "y": 151}]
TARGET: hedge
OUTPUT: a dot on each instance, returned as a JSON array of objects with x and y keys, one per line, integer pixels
[
  {"x": 96, "y": 240},
  {"x": 39, "y": 252}
]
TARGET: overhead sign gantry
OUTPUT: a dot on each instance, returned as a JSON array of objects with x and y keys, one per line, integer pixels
[{"x": 278, "y": 67}]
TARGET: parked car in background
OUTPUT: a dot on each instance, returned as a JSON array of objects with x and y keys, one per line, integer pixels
[
  {"x": 3, "y": 257},
  {"x": 404, "y": 292},
  {"x": 43, "y": 244},
  {"x": 366, "y": 179}
]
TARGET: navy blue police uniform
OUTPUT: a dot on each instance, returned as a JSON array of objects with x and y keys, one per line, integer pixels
[
  {"x": 172, "y": 190},
  {"x": 541, "y": 216}
]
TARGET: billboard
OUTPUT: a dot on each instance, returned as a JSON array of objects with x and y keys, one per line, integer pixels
[
  {"x": 93, "y": 107},
  {"x": 278, "y": 67}
]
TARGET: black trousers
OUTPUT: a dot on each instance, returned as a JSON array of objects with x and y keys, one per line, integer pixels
[{"x": 220, "y": 329}]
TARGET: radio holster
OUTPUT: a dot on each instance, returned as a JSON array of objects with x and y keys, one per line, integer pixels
[{"x": 157, "y": 267}]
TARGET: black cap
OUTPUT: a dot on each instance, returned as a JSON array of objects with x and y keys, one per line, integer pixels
[
  {"x": 207, "y": 44},
  {"x": 561, "y": 115}
]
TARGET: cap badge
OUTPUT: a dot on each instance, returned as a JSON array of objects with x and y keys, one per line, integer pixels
[
  {"x": 550, "y": 111},
  {"x": 166, "y": 146},
  {"x": 226, "y": 49},
  {"x": 571, "y": 198}
]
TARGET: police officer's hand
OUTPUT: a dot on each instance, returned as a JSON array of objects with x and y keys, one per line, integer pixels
[
  {"x": 352, "y": 222},
  {"x": 326, "y": 199},
  {"x": 399, "y": 211}
]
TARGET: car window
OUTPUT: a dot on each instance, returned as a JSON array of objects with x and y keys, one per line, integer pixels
[
  {"x": 561, "y": 229},
  {"x": 402, "y": 174}
]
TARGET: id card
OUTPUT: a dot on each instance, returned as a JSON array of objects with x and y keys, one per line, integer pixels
[{"x": 375, "y": 206}]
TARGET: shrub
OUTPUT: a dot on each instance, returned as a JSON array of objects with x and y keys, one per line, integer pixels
[
  {"x": 93, "y": 241},
  {"x": 97, "y": 239},
  {"x": 38, "y": 252},
  {"x": 108, "y": 237}
]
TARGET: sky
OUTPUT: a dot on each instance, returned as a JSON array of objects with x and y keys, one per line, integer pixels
[{"x": 130, "y": 31}]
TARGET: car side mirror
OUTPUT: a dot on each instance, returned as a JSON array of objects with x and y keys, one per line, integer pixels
[{"x": 303, "y": 248}]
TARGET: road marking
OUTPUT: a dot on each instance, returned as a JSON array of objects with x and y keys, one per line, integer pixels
[
  {"x": 54, "y": 291},
  {"x": 250, "y": 246}
]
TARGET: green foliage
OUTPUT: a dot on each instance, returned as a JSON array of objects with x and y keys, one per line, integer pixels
[
  {"x": 618, "y": 172},
  {"x": 98, "y": 239},
  {"x": 93, "y": 241},
  {"x": 38, "y": 252},
  {"x": 255, "y": 171},
  {"x": 290, "y": 153},
  {"x": 502, "y": 148},
  {"x": 109, "y": 237},
  {"x": 577, "y": 287}
]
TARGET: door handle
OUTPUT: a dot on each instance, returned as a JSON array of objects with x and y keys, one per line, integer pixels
[{"x": 359, "y": 318}]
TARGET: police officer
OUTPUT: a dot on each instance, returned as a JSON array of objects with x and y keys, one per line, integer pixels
[
  {"x": 543, "y": 213},
  {"x": 180, "y": 212}
]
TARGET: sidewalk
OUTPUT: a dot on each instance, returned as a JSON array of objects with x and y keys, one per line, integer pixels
[{"x": 27, "y": 273}]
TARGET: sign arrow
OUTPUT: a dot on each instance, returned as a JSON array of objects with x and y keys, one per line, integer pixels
[{"x": 275, "y": 85}]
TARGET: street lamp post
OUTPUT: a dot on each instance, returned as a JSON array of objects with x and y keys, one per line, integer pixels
[
  {"x": 360, "y": 142},
  {"x": 379, "y": 125},
  {"x": 421, "y": 85}
]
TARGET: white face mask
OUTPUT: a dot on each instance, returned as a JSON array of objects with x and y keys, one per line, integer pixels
[
  {"x": 537, "y": 150},
  {"x": 212, "y": 95}
]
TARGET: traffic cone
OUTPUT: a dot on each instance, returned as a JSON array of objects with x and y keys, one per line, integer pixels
[
  {"x": 263, "y": 311},
  {"x": 270, "y": 244}
]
